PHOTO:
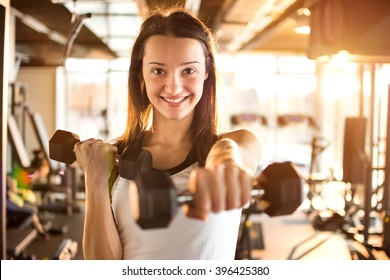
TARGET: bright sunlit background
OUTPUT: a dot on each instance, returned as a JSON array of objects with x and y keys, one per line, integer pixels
[{"x": 261, "y": 85}]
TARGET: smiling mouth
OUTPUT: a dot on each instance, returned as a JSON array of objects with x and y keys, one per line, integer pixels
[{"x": 174, "y": 101}]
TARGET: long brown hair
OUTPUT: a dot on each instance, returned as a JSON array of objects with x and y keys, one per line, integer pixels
[{"x": 181, "y": 24}]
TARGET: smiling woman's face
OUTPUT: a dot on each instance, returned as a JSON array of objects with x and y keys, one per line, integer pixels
[{"x": 174, "y": 72}]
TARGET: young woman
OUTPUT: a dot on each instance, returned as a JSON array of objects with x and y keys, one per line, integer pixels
[{"x": 172, "y": 113}]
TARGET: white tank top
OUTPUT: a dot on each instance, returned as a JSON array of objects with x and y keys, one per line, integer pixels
[{"x": 183, "y": 239}]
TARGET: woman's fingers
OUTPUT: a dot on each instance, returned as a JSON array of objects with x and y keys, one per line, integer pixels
[
  {"x": 217, "y": 188},
  {"x": 95, "y": 155},
  {"x": 224, "y": 187},
  {"x": 247, "y": 185},
  {"x": 234, "y": 192},
  {"x": 201, "y": 203}
]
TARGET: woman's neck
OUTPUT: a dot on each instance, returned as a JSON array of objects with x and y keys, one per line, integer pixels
[
  {"x": 169, "y": 142},
  {"x": 167, "y": 132}
]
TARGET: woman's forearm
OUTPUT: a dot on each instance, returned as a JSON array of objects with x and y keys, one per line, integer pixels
[
  {"x": 247, "y": 146},
  {"x": 224, "y": 151},
  {"x": 101, "y": 238},
  {"x": 238, "y": 149}
]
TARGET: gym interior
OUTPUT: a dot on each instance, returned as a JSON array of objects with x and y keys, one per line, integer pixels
[{"x": 311, "y": 79}]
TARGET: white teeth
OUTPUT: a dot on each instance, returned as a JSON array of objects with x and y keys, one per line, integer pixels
[{"x": 177, "y": 100}]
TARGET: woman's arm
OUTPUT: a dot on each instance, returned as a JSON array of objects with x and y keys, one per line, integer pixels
[
  {"x": 226, "y": 180},
  {"x": 101, "y": 238}
]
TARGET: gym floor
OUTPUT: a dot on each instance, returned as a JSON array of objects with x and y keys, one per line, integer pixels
[
  {"x": 282, "y": 238},
  {"x": 294, "y": 237},
  {"x": 273, "y": 238},
  {"x": 42, "y": 248}
]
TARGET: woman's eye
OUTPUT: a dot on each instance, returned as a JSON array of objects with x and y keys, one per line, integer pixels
[
  {"x": 158, "y": 71},
  {"x": 189, "y": 71}
]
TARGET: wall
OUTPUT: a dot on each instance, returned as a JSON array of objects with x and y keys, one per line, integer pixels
[
  {"x": 4, "y": 45},
  {"x": 45, "y": 87}
]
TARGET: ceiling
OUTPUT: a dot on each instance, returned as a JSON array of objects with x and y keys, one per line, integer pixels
[{"x": 48, "y": 31}]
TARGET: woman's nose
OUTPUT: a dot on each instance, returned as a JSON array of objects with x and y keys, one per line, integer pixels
[{"x": 174, "y": 85}]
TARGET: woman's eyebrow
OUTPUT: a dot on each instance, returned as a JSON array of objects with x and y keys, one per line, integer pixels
[
  {"x": 190, "y": 62},
  {"x": 157, "y": 63},
  {"x": 184, "y": 63}
]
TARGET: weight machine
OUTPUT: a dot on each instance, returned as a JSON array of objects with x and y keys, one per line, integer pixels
[
  {"x": 386, "y": 185},
  {"x": 58, "y": 179},
  {"x": 358, "y": 172},
  {"x": 19, "y": 238}
]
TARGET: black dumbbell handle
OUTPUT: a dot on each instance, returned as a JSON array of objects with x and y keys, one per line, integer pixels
[
  {"x": 55, "y": 152},
  {"x": 116, "y": 158},
  {"x": 158, "y": 199},
  {"x": 186, "y": 197},
  {"x": 279, "y": 185}
]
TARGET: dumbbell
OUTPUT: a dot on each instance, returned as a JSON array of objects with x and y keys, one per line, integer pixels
[
  {"x": 278, "y": 191},
  {"x": 131, "y": 162}
]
